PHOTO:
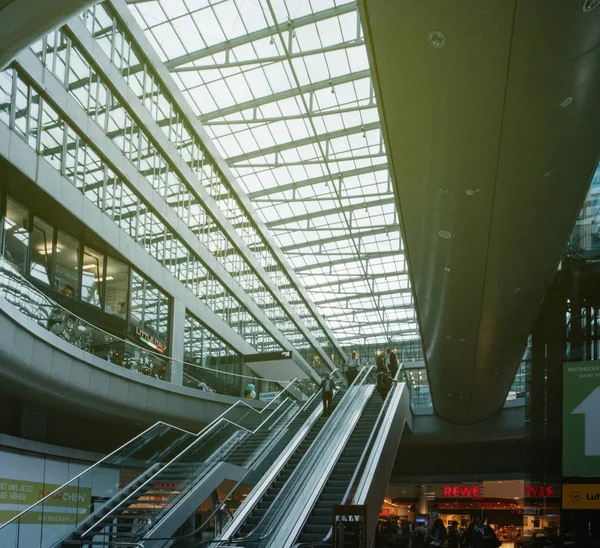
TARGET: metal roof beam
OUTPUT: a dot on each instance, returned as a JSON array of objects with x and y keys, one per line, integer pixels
[
  {"x": 368, "y": 295},
  {"x": 303, "y": 142},
  {"x": 286, "y": 94},
  {"x": 351, "y": 258},
  {"x": 350, "y": 235},
  {"x": 258, "y": 35},
  {"x": 269, "y": 60},
  {"x": 301, "y": 116},
  {"x": 325, "y": 212},
  {"x": 388, "y": 336},
  {"x": 317, "y": 180},
  {"x": 351, "y": 279}
]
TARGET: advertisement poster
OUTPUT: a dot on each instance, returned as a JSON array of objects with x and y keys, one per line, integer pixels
[{"x": 581, "y": 419}]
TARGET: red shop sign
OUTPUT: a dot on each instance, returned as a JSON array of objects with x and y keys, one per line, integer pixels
[{"x": 456, "y": 491}]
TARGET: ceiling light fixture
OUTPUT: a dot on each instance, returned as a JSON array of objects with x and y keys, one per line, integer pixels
[
  {"x": 568, "y": 100},
  {"x": 444, "y": 234},
  {"x": 437, "y": 39},
  {"x": 589, "y": 5},
  {"x": 443, "y": 189},
  {"x": 446, "y": 268}
]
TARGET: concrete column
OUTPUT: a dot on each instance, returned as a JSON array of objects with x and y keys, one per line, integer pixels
[
  {"x": 25, "y": 21},
  {"x": 176, "y": 341}
]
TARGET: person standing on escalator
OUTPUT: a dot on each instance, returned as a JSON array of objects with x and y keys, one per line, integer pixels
[
  {"x": 393, "y": 362},
  {"x": 327, "y": 386},
  {"x": 351, "y": 368}
]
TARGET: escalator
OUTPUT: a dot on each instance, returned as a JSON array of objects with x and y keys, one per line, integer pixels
[
  {"x": 156, "y": 478},
  {"x": 318, "y": 523},
  {"x": 158, "y": 506},
  {"x": 283, "y": 476},
  {"x": 345, "y": 460}
]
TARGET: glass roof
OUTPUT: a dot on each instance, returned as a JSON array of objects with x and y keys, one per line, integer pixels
[{"x": 283, "y": 87}]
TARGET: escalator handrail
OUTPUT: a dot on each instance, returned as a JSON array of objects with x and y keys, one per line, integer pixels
[
  {"x": 131, "y": 441},
  {"x": 326, "y": 540},
  {"x": 359, "y": 380},
  {"x": 223, "y": 503},
  {"x": 193, "y": 444}
]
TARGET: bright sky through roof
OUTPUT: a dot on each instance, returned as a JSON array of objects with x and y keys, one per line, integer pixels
[{"x": 283, "y": 88}]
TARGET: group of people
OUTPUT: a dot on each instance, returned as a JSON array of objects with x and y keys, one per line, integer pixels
[
  {"x": 479, "y": 534},
  {"x": 387, "y": 368}
]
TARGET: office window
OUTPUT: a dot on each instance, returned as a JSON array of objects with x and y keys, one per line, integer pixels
[
  {"x": 66, "y": 279},
  {"x": 16, "y": 235},
  {"x": 117, "y": 288},
  {"x": 92, "y": 277},
  {"x": 149, "y": 308},
  {"x": 42, "y": 240}
]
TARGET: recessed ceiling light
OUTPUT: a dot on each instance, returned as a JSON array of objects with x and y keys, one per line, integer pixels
[
  {"x": 589, "y": 5},
  {"x": 444, "y": 234},
  {"x": 437, "y": 38},
  {"x": 446, "y": 268},
  {"x": 568, "y": 100},
  {"x": 471, "y": 191},
  {"x": 443, "y": 189}
]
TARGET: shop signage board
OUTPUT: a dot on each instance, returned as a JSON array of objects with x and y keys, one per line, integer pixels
[
  {"x": 350, "y": 526},
  {"x": 581, "y": 496},
  {"x": 268, "y": 396},
  {"x": 581, "y": 418},
  {"x": 23, "y": 494}
]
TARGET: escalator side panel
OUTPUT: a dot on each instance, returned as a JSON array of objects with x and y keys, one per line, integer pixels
[
  {"x": 256, "y": 494},
  {"x": 168, "y": 525},
  {"x": 375, "y": 478},
  {"x": 308, "y": 480}
]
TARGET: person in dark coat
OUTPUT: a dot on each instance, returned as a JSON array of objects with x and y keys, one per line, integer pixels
[
  {"x": 393, "y": 362},
  {"x": 327, "y": 386},
  {"x": 438, "y": 532}
]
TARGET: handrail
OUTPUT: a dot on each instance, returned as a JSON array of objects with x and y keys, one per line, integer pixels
[
  {"x": 223, "y": 503},
  {"x": 157, "y": 424},
  {"x": 193, "y": 444},
  {"x": 326, "y": 540},
  {"x": 364, "y": 372},
  {"x": 51, "y": 302}
]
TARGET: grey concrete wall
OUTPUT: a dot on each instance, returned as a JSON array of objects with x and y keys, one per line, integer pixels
[{"x": 43, "y": 368}]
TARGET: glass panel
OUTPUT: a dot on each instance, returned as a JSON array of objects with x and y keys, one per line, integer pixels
[
  {"x": 66, "y": 279},
  {"x": 16, "y": 235},
  {"x": 6, "y": 77},
  {"x": 92, "y": 277},
  {"x": 42, "y": 240},
  {"x": 117, "y": 288}
]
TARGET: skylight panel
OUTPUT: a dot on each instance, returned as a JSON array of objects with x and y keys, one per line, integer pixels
[
  {"x": 208, "y": 26},
  {"x": 322, "y": 247}
]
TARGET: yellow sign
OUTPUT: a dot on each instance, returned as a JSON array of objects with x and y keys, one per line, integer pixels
[{"x": 585, "y": 496}]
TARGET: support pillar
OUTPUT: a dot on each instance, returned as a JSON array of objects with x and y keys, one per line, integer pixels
[{"x": 176, "y": 341}]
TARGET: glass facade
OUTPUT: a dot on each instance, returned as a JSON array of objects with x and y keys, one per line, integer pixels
[{"x": 142, "y": 78}]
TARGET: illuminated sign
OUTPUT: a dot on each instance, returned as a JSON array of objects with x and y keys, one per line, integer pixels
[
  {"x": 151, "y": 341},
  {"x": 460, "y": 491},
  {"x": 581, "y": 497},
  {"x": 539, "y": 491}
]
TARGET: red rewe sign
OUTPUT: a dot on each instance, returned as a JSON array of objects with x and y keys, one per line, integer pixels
[{"x": 471, "y": 491}]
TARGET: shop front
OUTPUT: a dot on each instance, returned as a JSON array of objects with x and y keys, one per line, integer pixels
[{"x": 517, "y": 511}]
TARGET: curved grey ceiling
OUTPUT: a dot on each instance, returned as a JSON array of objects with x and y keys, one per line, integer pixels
[{"x": 491, "y": 113}]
